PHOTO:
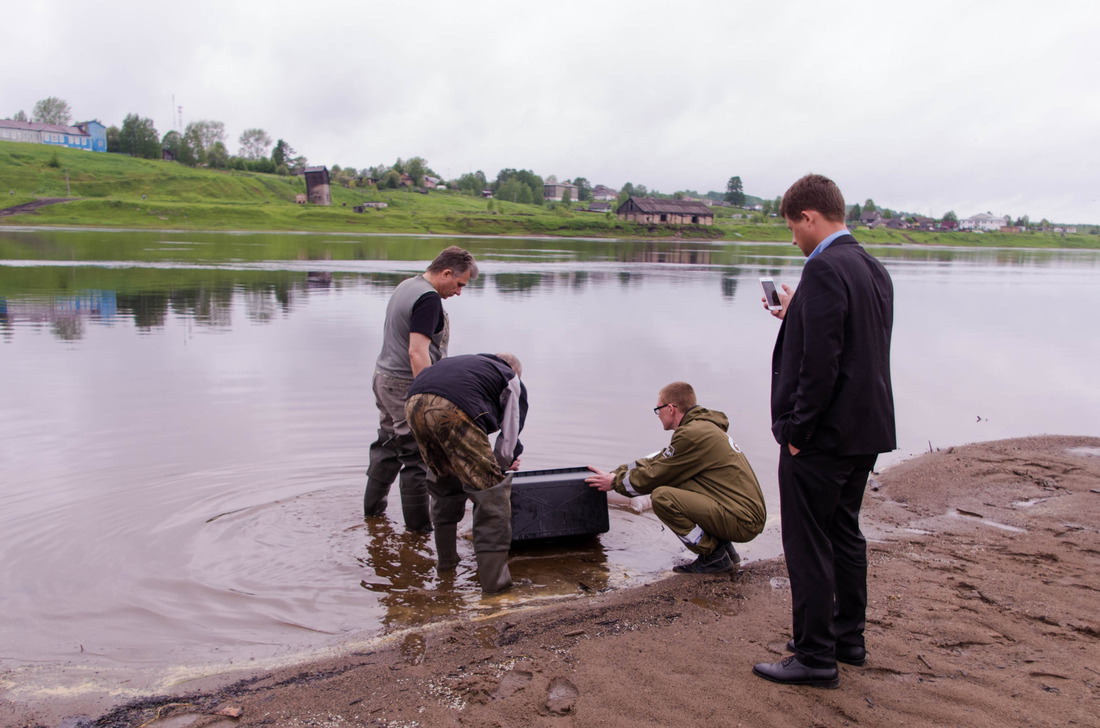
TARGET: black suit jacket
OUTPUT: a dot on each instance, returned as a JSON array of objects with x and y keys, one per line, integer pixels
[{"x": 831, "y": 386}]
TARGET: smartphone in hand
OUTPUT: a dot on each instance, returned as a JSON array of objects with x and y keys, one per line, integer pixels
[{"x": 771, "y": 295}]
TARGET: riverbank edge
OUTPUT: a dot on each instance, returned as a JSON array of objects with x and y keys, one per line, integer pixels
[
  {"x": 870, "y": 241},
  {"x": 509, "y": 226},
  {"x": 972, "y": 622}
]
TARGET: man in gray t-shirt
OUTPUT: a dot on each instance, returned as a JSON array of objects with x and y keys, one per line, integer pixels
[{"x": 414, "y": 336}]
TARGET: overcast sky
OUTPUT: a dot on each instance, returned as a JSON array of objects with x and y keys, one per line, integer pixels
[{"x": 924, "y": 107}]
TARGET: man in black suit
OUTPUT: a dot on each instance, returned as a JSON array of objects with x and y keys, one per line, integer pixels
[{"x": 832, "y": 414}]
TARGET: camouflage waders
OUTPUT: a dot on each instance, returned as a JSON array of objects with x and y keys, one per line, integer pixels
[{"x": 462, "y": 465}]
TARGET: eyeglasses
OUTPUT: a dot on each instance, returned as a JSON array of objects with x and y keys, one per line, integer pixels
[{"x": 657, "y": 409}]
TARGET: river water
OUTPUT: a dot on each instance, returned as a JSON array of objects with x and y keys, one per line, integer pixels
[{"x": 186, "y": 419}]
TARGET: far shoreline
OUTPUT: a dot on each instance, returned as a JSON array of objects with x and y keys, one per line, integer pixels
[{"x": 870, "y": 241}]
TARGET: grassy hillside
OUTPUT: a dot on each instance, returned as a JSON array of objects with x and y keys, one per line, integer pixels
[
  {"x": 112, "y": 190},
  {"x": 118, "y": 191}
]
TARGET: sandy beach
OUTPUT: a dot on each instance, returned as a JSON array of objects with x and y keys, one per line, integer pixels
[{"x": 983, "y": 612}]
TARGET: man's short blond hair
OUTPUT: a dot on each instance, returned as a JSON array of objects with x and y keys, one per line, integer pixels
[{"x": 680, "y": 394}]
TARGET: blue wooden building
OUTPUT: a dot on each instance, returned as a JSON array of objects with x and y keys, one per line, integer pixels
[{"x": 87, "y": 135}]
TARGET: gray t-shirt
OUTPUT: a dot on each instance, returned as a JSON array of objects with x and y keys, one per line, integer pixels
[{"x": 393, "y": 360}]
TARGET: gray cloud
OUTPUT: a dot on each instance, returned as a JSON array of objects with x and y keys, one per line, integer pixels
[{"x": 924, "y": 107}]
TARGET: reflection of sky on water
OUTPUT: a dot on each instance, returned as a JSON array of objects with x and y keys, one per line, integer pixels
[{"x": 243, "y": 387}]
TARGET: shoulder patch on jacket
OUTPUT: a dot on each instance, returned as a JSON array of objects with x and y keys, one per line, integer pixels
[{"x": 669, "y": 451}]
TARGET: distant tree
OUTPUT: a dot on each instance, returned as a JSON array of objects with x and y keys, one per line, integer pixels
[
  {"x": 514, "y": 191},
  {"x": 217, "y": 156},
  {"x": 282, "y": 153},
  {"x": 472, "y": 183},
  {"x": 208, "y": 131},
  {"x": 391, "y": 179},
  {"x": 171, "y": 142},
  {"x": 869, "y": 205},
  {"x": 1022, "y": 221},
  {"x": 180, "y": 148},
  {"x": 888, "y": 214},
  {"x": 950, "y": 216},
  {"x": 767, "y": 207},
  {"x": 531, "y": 183},
  {"x": 138, "y": 137},
  {"x": 20, "y": 116},
  {"x": 202, "y": 135},
  {"x": 344, "y": 176},
  {"x": 567, "y": 196},
  {"x": 735, "y": 195},
  {"x": 679, "y": 195},
  {"x": 52, "y": 110},
  {"x": 628, "y": 190},
  {"x": 854, "y": 213},
  {"x": 112, "y": 139},
  {"x": 297, "y": 164},
  {"x": 552, "y": 179},
  {"x": 640, "y": 191},
  {"x": 584, "y": 189},
  {"x": 254, "y": 144},
  {"x": 416, "y": 168},
  {"x": 534, "y": 184}
]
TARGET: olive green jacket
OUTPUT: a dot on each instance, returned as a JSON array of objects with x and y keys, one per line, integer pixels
[{"x": 701, "y": 452}]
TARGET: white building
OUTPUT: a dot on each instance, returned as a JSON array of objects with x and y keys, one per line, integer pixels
[
  {"x": 984, "y": 221},
  {"x": 603, "y": 193}
]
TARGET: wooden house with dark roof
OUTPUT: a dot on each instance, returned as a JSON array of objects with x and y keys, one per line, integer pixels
[
  {"x": 603, "y": 193},
  {"x": 650, "y": 210},
  {"x": 318, "y": 190},
  {"x": 871, "y": 219}
]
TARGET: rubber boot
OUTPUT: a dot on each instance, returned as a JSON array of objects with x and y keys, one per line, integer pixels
[
  {"x": 375, "y": 498},
  {"x": 446, "y": 547},
  {"x": 492, "y": 571},
  {"x": 415, "y": 504}
]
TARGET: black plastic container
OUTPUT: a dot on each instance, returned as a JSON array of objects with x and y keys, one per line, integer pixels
[{"x": 557, "y": 502}]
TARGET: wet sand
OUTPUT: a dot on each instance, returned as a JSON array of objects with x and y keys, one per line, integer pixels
[{"x": 983, "y": 612}]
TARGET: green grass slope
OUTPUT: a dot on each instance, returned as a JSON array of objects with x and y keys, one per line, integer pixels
[{"x": 116, "y": 191}]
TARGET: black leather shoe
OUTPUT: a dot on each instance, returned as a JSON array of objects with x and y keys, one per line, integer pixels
[
  {"x": 848, "y": 655},
  {"x": 735, "y": 558},
  {"x": 790, "y": 671},
  {"x": 713, "y": 563}
]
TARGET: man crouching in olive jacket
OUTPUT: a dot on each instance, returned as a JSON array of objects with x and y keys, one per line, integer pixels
[{"x": 702, "y": 486}]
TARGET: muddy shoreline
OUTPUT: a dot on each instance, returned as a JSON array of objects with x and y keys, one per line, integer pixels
[{"x": 983, "y": 593}]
